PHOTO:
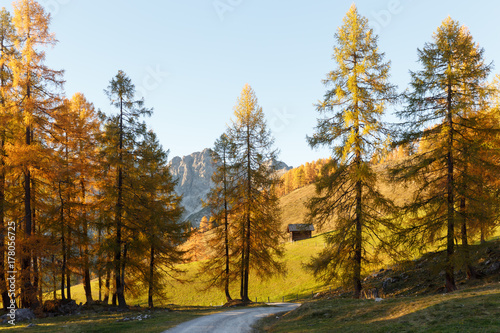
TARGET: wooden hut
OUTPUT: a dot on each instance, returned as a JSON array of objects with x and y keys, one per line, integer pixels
[{"x": 300, "y": 231}]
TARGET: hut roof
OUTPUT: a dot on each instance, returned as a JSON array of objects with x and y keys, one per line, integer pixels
[{"x": 300, "y": 227}]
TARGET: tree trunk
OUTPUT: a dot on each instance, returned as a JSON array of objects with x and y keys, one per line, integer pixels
[
  {"x": 242, "y": 267},
  {"x": 107, "y": 284},
  {"x": 151, "y": 280},
  {"x": 26, "y": 286},
  {"x": 358, "y": 244},
  {"x": 450, "y": 269},
  {"x": 54, "y": 279},
  {"x": 68, "y": 271},
  {"x": 86, "y": 265},
  {"x": 247, "y": 262},
  {"x": 3, "y": 281},
  {"x": 119, "y": 207},
  {"x": 100, "y": 286},
  {"x": 226, "y": 235},
  {"x": 37, "y": 287},
  {"x": 124, "y": 263},
  {"x": 36, "y": 277},
  {"x": 113, "y": 296},
  {"x": 356, "y": 278},
  {"x": 118, "y": 245},
  {"x": 40, "y": 272},
  {"x": 36, "y": 272},
  {"x": 99, "y": 267},
  {"x": 469, "y": 269},
  {"x": 3, "y": 231},
  {"x": 246, "y": 269},
  {"x": 63, "y": 245}
]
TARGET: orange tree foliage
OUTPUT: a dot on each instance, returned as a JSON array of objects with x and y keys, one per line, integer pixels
[{"x": 301, "y": 176}]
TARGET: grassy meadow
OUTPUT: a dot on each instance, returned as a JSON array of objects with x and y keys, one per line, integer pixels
[
  {"x": 474, "y": 309},
  {"x": 296, "y": 281}
]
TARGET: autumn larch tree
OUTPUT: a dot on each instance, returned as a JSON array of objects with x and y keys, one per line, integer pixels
[
  {"x": 7, "y": 38},
  {"x": 158, "y": 214},
  {"x": 76, "y": 129},
  {"x": 218, "y": 267},
  {"x": 257, "y": 209},
  {"x": 477, "y": 163},
  {"x": 351, "y": 127},
  {"x": 86, "y": 130},
  {"x": 36, "y": 87},
  {"x": 441, "y": 114}
]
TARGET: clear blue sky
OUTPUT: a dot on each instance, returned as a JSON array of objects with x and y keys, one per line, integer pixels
[{"x": 191, "y": 58}]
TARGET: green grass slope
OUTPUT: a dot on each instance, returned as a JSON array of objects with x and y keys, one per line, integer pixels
[
  {"x": 295, "y": 282},
  {"x": 415, "y": 301},
  {"x": 471, "y": 310}
]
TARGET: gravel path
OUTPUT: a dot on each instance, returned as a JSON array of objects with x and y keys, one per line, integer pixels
[{"x": 232, "y": 321}]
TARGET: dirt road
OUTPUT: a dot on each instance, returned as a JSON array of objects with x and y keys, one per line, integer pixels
[{"x": 232, "y": 321}]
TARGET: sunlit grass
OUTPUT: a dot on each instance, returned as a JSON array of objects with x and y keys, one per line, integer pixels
[
  {"x": 296, "y": 282},
  {"x": 471, "y": 310}
]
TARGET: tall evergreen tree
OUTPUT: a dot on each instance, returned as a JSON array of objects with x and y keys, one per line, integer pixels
[
  {"x": 121, "y": 93},
  {"x": 256, "y": 211},
  {"x": 442, "y": 112},
  {"x": 351, "y": 127}
]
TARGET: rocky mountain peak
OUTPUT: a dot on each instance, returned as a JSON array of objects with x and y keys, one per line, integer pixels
[{"x": 193, "y": 173}]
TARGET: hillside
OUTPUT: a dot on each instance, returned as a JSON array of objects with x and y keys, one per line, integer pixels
[
  {"x": 293, "y": 204},
  {"x": 295, "y": 283},
  {"x": 413, "y": 301}
]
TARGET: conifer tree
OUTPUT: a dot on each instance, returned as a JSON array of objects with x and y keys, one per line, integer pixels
[
  {"x": 7, "y": 39},
  {"x": 256, "y": 211},
  {"x": 158, "y": 212},
  {"x": 443, "y": 114},
  {"x": 309, "y": 173},
  {"x": 61, "y": 172},
  {"x": 36, "y": 87},
  {"x": 76, "y": 130},
  {"x": 300, "y": 177},
  {"x": 351, "y": 127},
  {"x": 126, "y": 127},
  {"x": 204, "y": 224},
  {"x": 219, "y": 266}
]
